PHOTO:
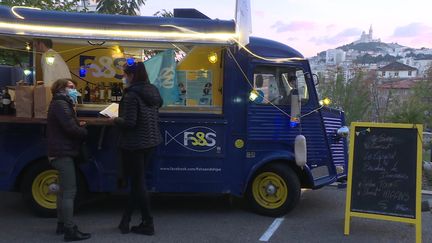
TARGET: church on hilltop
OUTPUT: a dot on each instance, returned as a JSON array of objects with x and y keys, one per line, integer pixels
[{"x": 366, "y": 38}]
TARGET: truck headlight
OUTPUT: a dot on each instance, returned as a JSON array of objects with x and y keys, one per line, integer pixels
[{"x": 343, "y": 131}]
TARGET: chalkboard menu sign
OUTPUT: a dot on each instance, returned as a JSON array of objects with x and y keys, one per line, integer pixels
[{"x": 384, "y": 173}]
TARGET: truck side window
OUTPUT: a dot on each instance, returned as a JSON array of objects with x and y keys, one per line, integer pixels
[{"x": 274, "y": 84}]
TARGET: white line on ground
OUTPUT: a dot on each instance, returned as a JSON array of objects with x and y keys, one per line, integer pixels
[{"x": 271, "y": 229}]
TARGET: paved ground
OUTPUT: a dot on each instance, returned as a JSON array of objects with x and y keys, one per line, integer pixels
[{"x": 318, "y": 218}]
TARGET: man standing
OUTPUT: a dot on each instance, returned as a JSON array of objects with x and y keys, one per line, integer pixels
[{"x": 53, "y": 65}]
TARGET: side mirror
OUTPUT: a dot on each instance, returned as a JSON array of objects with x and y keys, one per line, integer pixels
[{"x": 315, "y": 79}]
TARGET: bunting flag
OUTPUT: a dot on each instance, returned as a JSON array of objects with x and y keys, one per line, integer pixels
[{"x": 161, "y": 70}]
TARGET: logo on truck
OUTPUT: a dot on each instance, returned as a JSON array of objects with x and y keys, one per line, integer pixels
[{"x": 197, "y": 139}]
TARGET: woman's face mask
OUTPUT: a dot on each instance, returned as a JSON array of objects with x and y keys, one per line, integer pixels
[{"x": 73, "y": 94}]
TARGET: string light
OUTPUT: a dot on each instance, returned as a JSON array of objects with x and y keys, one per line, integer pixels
[
  {"x": 21, "y": 7},
  {"x": 64, "y": 31},
  {"x": 130, "y": 61},
  {"x": 325, "y": 102},
  {"x": 28, "y": 48},
  {"x": 82, "y": 72},
  {"x": 253, "y": 95},
  {"x": 49, "y": 60},
  {"x": 212, "y": 57}
]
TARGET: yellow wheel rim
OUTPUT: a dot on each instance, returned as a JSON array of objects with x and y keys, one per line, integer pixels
[
  {"x": 41, "y": 189},
  {"x": 269, "y": 190}
]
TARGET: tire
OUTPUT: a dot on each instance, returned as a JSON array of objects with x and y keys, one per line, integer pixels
[
  {"x": 35, "y": 188},
  {"x": 274, "y": 190}
]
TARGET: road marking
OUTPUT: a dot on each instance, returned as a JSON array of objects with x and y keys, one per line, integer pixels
[{"x": 271, "y": 229}]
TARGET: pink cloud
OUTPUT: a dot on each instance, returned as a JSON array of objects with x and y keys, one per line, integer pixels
[
  {"x": 413, "y": 35},
  {"x": 344, "y": 37},
  {"x": 293, "y": 26},
  {"x": 412, "y": 30}
]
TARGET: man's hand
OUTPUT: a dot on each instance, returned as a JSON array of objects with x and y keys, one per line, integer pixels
[{"x": 82, "y": 123}]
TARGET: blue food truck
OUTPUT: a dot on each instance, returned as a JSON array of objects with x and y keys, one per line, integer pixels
[{"x": 238, "y": 120}]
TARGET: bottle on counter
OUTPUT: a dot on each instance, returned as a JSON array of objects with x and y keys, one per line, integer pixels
[
  {"x": 7, "y": 103},
  {"x": 101, "y": 92},
  {"x": 109, "y": 92},
  {"x": 87, "y": 93},
  {"x": 105, "y": 94},
  {"x": 120, "y": 92},
  {"x": 114, "y": 93},
  {"x": 96, "y": 94}
]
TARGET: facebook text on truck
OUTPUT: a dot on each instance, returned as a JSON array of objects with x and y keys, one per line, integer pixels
[{"x": 238, "y": 120}]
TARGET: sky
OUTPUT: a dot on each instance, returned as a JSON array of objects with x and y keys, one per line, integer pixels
[{"x": 312, "y": 26}]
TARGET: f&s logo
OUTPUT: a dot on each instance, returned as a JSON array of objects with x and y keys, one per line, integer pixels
[{"x": 198, "y": 139}]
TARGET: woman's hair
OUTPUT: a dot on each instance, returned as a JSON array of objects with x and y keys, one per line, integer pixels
[
  {"x": 139, "y": 72},
  {"x": 59, "y": 85}
]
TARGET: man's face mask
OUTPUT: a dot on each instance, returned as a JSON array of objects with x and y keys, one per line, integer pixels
[{"x": 73, "y": 94}]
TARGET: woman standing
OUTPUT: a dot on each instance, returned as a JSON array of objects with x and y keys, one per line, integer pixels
[
  {"x": 65, "y": 136},
  {"x": 139, "y": 123}
]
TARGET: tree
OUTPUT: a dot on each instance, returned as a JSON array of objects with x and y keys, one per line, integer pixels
[
  {"x": 352, "y": 95},
  {"x": 62, "y": 5},
  {"x": 123, "y": 7},
  {"x": 164, "y": 13},
  {"x": 418, "y": 108}
]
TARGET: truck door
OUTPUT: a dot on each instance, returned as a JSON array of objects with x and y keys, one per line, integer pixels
[{"x": 269, "y": 125}]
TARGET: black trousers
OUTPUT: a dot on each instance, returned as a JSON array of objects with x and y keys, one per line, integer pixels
[{"x": 135, "y": 163}]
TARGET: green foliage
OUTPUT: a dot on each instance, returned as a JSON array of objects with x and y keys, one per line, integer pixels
[
  {"x": 352, "y": 96},
  {"x": 63, "y": 5},
  {"x": 418, "y": 108},
  {"x": 370, "y": 46},
  {"x": 366, "y": 59},
  {"x": 12, "y": 58},
  {"x": 123, "y": 7},
  {"x": 164, "y": 13}
]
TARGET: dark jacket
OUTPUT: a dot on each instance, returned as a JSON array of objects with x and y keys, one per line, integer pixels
[
  {"x": 64, "y": 133},
  {"x": 139, "y": 117}
]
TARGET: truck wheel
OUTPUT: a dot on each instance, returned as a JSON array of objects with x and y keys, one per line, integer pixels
[
  {"x": 274, "y": 190},
  {"x": 37, "y": 187}
]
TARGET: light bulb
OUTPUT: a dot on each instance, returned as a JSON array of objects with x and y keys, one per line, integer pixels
[
  {"x": 212, "y": 57},
  {"x": 49, "y": 60},
  {"x": 253, "y": 95}
]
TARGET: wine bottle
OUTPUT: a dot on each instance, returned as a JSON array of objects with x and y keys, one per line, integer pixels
[
  {"x": 7, "y": 109},
  {"x": 120, "y": 92},
  {"x": 114, "y": 93},
  {"x": 87, "y": 93},
  {"x": 96, "y": 94},
  {"x": 109, "y": 92},
  {"x": 101, "y": 92}
]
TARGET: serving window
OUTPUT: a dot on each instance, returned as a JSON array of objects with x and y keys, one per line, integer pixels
[{"x": 189, "y": 77}]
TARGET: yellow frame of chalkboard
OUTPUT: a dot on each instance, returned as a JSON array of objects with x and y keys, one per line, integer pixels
[{"x": 349, "y": 213}]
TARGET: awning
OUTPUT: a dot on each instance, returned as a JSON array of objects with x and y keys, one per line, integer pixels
[{"x": 92, "y": 26}]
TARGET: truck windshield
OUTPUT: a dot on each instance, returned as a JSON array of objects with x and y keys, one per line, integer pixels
[{"x": 275, "y": 84}]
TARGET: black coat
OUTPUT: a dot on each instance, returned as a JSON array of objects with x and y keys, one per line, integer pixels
[
  {"x": 64, "y": 133},
  {"x": 139, "y": 117}
]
